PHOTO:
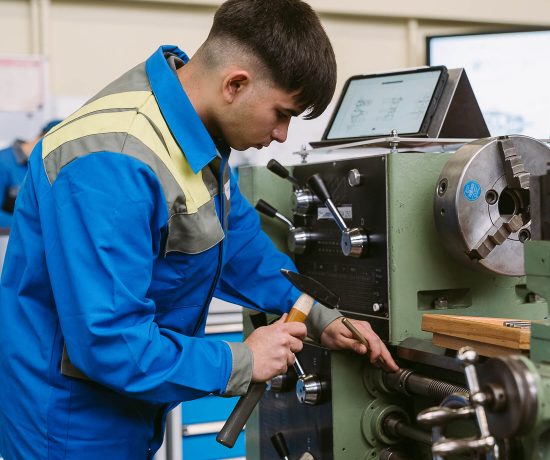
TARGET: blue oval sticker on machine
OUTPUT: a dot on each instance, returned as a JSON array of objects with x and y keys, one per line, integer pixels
[{"x": 472, "y": 190}]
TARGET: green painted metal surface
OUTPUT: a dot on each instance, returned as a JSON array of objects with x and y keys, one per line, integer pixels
[
  {"x": 349, "y": 399},
  {"x": 420, "y": 272},
  {"x": 419, "y": 266},
  {"x": 258, "y": 182}
]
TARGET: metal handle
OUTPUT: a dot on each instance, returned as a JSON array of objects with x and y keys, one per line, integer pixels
[
  {"x": 458, "y": 446},
  {"x": 278, "y": 169},
  {"x": 238, "y": 418},
  {"x": 240, "y": 414},
  {"x": 440, "y": 415},
  {"x": 354, "y": 241},
  {"x": 265, "y": 208},
  {"x": 317, "y": 185},
  {"x": 279, "y": 443},
  {"x": 485, "y": 442}
]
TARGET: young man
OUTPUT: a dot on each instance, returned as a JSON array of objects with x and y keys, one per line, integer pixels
[
  {"x": 130, "y": 222},
  {"x": 13, "y": 167}
]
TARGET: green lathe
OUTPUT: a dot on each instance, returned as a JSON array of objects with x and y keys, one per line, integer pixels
[{"x": 408, "y": 228}]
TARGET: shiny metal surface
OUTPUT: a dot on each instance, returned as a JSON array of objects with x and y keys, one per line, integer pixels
[
  {"x": 481, "y": 203},
  {"x": 518, "y": 414},
  {"x": 354, "y": 242},
  {"x": 298, "y": 239},
  {"x": 302, "y": 201},
  {"x": 310, "y": 390},
  {"x": 355, "y": 179}
]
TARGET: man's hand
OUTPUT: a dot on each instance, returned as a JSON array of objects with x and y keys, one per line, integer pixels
[
  {"x": 337, "y": 336},
  {"x": 273, "y": 348}
]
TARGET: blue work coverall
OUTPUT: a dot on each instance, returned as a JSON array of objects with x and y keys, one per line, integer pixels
[{"x": 87, "y": 270}]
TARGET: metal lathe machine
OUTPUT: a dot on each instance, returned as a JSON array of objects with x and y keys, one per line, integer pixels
[{"x": 439, "y": 236}]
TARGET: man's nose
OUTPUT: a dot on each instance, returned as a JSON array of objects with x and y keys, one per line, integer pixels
[{"x": 280, "y": 133}]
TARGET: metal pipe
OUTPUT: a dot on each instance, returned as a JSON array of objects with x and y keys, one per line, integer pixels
[{"x": 394, "y": 426}]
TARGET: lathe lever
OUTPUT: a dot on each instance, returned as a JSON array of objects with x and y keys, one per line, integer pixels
[
  {"x": 458, "y": 446},
  {"x": 354, "y": 241},
  {"x": 441, "y": 415}
]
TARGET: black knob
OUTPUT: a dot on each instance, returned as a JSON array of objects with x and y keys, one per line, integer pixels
[
  {"x": 277, "y": 168},
  {"x": 278, "y": 441},
  {"x": 317, "y": 185},
  {"x": 265, "y": 208}
]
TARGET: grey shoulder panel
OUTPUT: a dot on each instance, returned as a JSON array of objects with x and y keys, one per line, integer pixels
[
  {"x": 134, "y": 80},
  {"x": 187, "y": 233}
]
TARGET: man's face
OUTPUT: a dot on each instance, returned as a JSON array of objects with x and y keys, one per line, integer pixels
[{"x": 259, "y": 115}]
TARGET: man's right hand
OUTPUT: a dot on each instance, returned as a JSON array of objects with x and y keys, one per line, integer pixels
[{"x": 273, "y": 348}]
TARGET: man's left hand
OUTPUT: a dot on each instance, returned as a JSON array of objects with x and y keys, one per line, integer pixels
[{"x": 336, "y": 336}]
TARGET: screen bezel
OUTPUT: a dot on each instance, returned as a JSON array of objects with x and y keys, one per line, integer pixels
[{"x": 430, "y": 110}]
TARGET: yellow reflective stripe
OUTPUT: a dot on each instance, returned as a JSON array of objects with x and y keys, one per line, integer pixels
[
  {"x": 128, "y": 99},
  {"x": 194, "y": 182},
  {"x": 74, "y": 127},
  {"x": 119, "y": 122}
]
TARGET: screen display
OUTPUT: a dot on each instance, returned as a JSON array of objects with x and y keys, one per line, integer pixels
[
  {"x": 375, "y": 105},
  {"x": 508, "y": 73}
]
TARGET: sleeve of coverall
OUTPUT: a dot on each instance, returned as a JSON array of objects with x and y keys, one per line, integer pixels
[
  {"x": 251, "y": 276},
  {"x": 105, "y": 235}
]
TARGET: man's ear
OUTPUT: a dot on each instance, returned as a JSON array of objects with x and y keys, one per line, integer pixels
[{"x": 234, "y": 83}]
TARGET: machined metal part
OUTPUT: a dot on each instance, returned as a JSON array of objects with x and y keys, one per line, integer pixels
[
  {"x": 443, "y": 415},
  {"x": 394, "y": 425},
  {"x": 298, "y": 239},
  {"x": 355, "y": 178},
  {"x": 354, "y": 242},
  {"x": 481, "y": 203},
  {"x": 311, "y": 390},
  {"x": 486, "y": 441},
  {"x": 281, "y": 383},
  {"x": 512, "y": 410},
  {"x": 410, "y": 383},
  {"x": 303, "y": 201}
]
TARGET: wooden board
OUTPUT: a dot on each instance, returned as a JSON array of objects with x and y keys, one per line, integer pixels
[
  {"x": 449, "y": 329},
  {"x": 483, "y": 349}
]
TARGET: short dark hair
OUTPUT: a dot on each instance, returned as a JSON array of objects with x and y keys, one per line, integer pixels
[{"x": 288, "y": 38}]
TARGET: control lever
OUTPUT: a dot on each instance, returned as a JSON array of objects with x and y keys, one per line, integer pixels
[
  {"x": 265, "y": 208},
  {"x": 298, "y": 237},
  {"x": 279, "y": 443},
  {"x": 310, "y": 389},
  {"x": 277, "y": 168},
  {"x": 442, "y": 415},
  {"x": 354, "y": 241},
  {"x": 303, "y": 199},
  {"x": 486, "y": 442}
]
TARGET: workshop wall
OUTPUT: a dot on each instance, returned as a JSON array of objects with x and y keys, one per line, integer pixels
[{"x": 89, "y": 43}]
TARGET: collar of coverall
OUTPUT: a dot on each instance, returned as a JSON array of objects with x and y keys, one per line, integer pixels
[{"x": 186, "y": 126}]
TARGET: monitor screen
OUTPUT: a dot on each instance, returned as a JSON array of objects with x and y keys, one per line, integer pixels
[
  {"x": 509, "y": 75},
  {"x": 374, "y": 105}
]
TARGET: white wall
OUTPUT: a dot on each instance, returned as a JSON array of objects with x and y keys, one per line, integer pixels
[{"x": 89, "y": 43}]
